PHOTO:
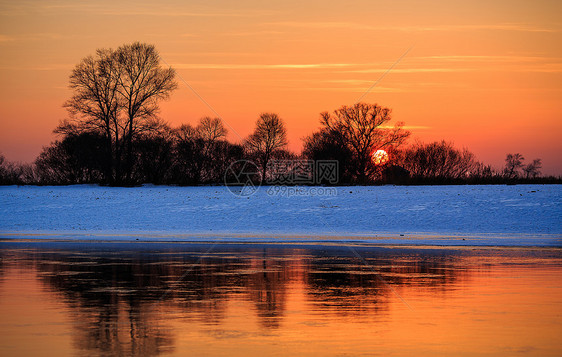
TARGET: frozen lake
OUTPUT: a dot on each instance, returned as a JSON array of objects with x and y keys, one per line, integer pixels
[
  {"x": 88, "y": 270},
  {"x": 442, "y": 215},
  {"x": 141, "y": 299}
]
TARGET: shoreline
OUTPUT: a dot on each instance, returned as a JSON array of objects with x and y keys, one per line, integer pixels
[{"x": 387, "y": 240}]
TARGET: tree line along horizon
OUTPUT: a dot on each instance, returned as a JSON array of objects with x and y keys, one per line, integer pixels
[{"x": 114, "y": 136}]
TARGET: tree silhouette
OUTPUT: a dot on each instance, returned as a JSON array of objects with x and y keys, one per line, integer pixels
[
  {"x": 188, "y": 155},
  {"x": 142, "y": 83},
  {"x": 439, "y": 160},
  {"x": 361, "y": 128},
  {"x": 94, "y": 106},
  {"x": 116, "y": 93},
  {"x": 3, "y": 169},
  {"x": 9, "y": 174},
  {"x": 533, "y": 169},
  {"x": 201, "y": 154},
  {"x": 330, "y": 145},
  {"x": 268, "y": 136},
  {"x": 513, "y": 163},
  {"x": 78, "y": 158},
  {"x": 211, "y": 129},
  {"x": 153, "y": 156}
]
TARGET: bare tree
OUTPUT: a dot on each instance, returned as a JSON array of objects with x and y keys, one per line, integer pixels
[
  {"x": 2, "y": 167},
  {"x": 15, "y": 173},
  {"x": 533, "y": 169},
  {"x": 211, "y": 129},
  {"x": 153, "y": 156},
  {"x": 483, "y": 171},
  {"x": 116, "y": 93},
  {"x": 330, "y": 145},
  {"x": 268, "y": 136},
  {"x": 184, "y": 132},
  {"x": 201, "y": 154},
  {"x": 513, "y": 163},
  {"x": 7, "y": 175},
  {"x": 211, "y": 132},
  {"x": 188, "y": 157},
  {"x": 142, "y": 83},
  {"x": 94, "y": 106},
  {"x": 77, "y": 158},
  {"x": 439, "y": 160},
  {"x": 362, "y": 127}
]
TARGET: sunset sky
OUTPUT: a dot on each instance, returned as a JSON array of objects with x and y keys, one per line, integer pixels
[{"x": 486, "y": 75}]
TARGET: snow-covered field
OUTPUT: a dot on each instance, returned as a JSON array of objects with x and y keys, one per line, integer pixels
[{"x": 444, "y": 215}]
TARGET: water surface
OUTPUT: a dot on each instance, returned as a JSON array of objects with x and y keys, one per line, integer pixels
[{"x": 265, "y": 299}]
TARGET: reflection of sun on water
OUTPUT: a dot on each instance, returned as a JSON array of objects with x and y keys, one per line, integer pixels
[{"x": 380, "y": 157}]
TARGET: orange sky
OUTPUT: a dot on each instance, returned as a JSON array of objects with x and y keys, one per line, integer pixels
[{"x": 484, "y": 74}]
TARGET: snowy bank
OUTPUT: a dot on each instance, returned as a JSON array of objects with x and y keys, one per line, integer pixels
[{"x": 442, "y": 215}]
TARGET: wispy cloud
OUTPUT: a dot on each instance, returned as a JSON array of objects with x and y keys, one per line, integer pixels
[
  {"x": 488, "y": 58},
  {"x": 5, "y": 38},
  {"x": 211, "y": 54},
  {"x": 373, "y": 68},
  {"x": 322, "y": 25},
  {"x": 410, "y": 86},
  {"x": 349, "y": 81},
  {"x": 260, "y": 66},
  {"x": 407, "y": 127},
  {"x": 411, "y": 70},
  {"x": 171, "y": 13},
  {"x": 254, "y": 33},
  {"x": 119, "y": 9},
  {"x": 555, "y": 68},
  {"x": 416, "y": 28},
  {"x": 41, "y": 37},
  {"x": 496, "y": 63},
  {"x": 50, "y": 67},
  {"x": 342, "y": 89},
  {"x": 496, "y": 27},
  {"x": 341, "y": 68}
]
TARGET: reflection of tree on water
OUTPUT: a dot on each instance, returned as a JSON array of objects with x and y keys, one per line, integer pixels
[
  {"x": 344, "y": 285},
  {"x": 110, "y": 315},
  {"x": 121, "y": 329},
  {"x": 266, "y": 285},
  {"x": 115, "y": 295}
]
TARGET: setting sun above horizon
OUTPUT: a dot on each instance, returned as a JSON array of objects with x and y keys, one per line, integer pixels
[
  {"x": 484, "y": 75},
  {"x": 380, "y": 157}
]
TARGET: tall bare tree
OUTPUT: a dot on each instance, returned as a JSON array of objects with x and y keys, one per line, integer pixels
[
  {"x": 362, "y": 127},
  {"x": 142, "y": 83},
  {"x": 94, "y": 106},
  {"x": 268, "y": 136},
  {"x": 116, "y": 93}
]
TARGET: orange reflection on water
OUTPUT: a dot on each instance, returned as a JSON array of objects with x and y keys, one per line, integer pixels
[{"x": 272, "y": 301}]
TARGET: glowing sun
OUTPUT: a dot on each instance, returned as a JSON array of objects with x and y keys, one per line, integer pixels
[{"x": 380, "y": 157}]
